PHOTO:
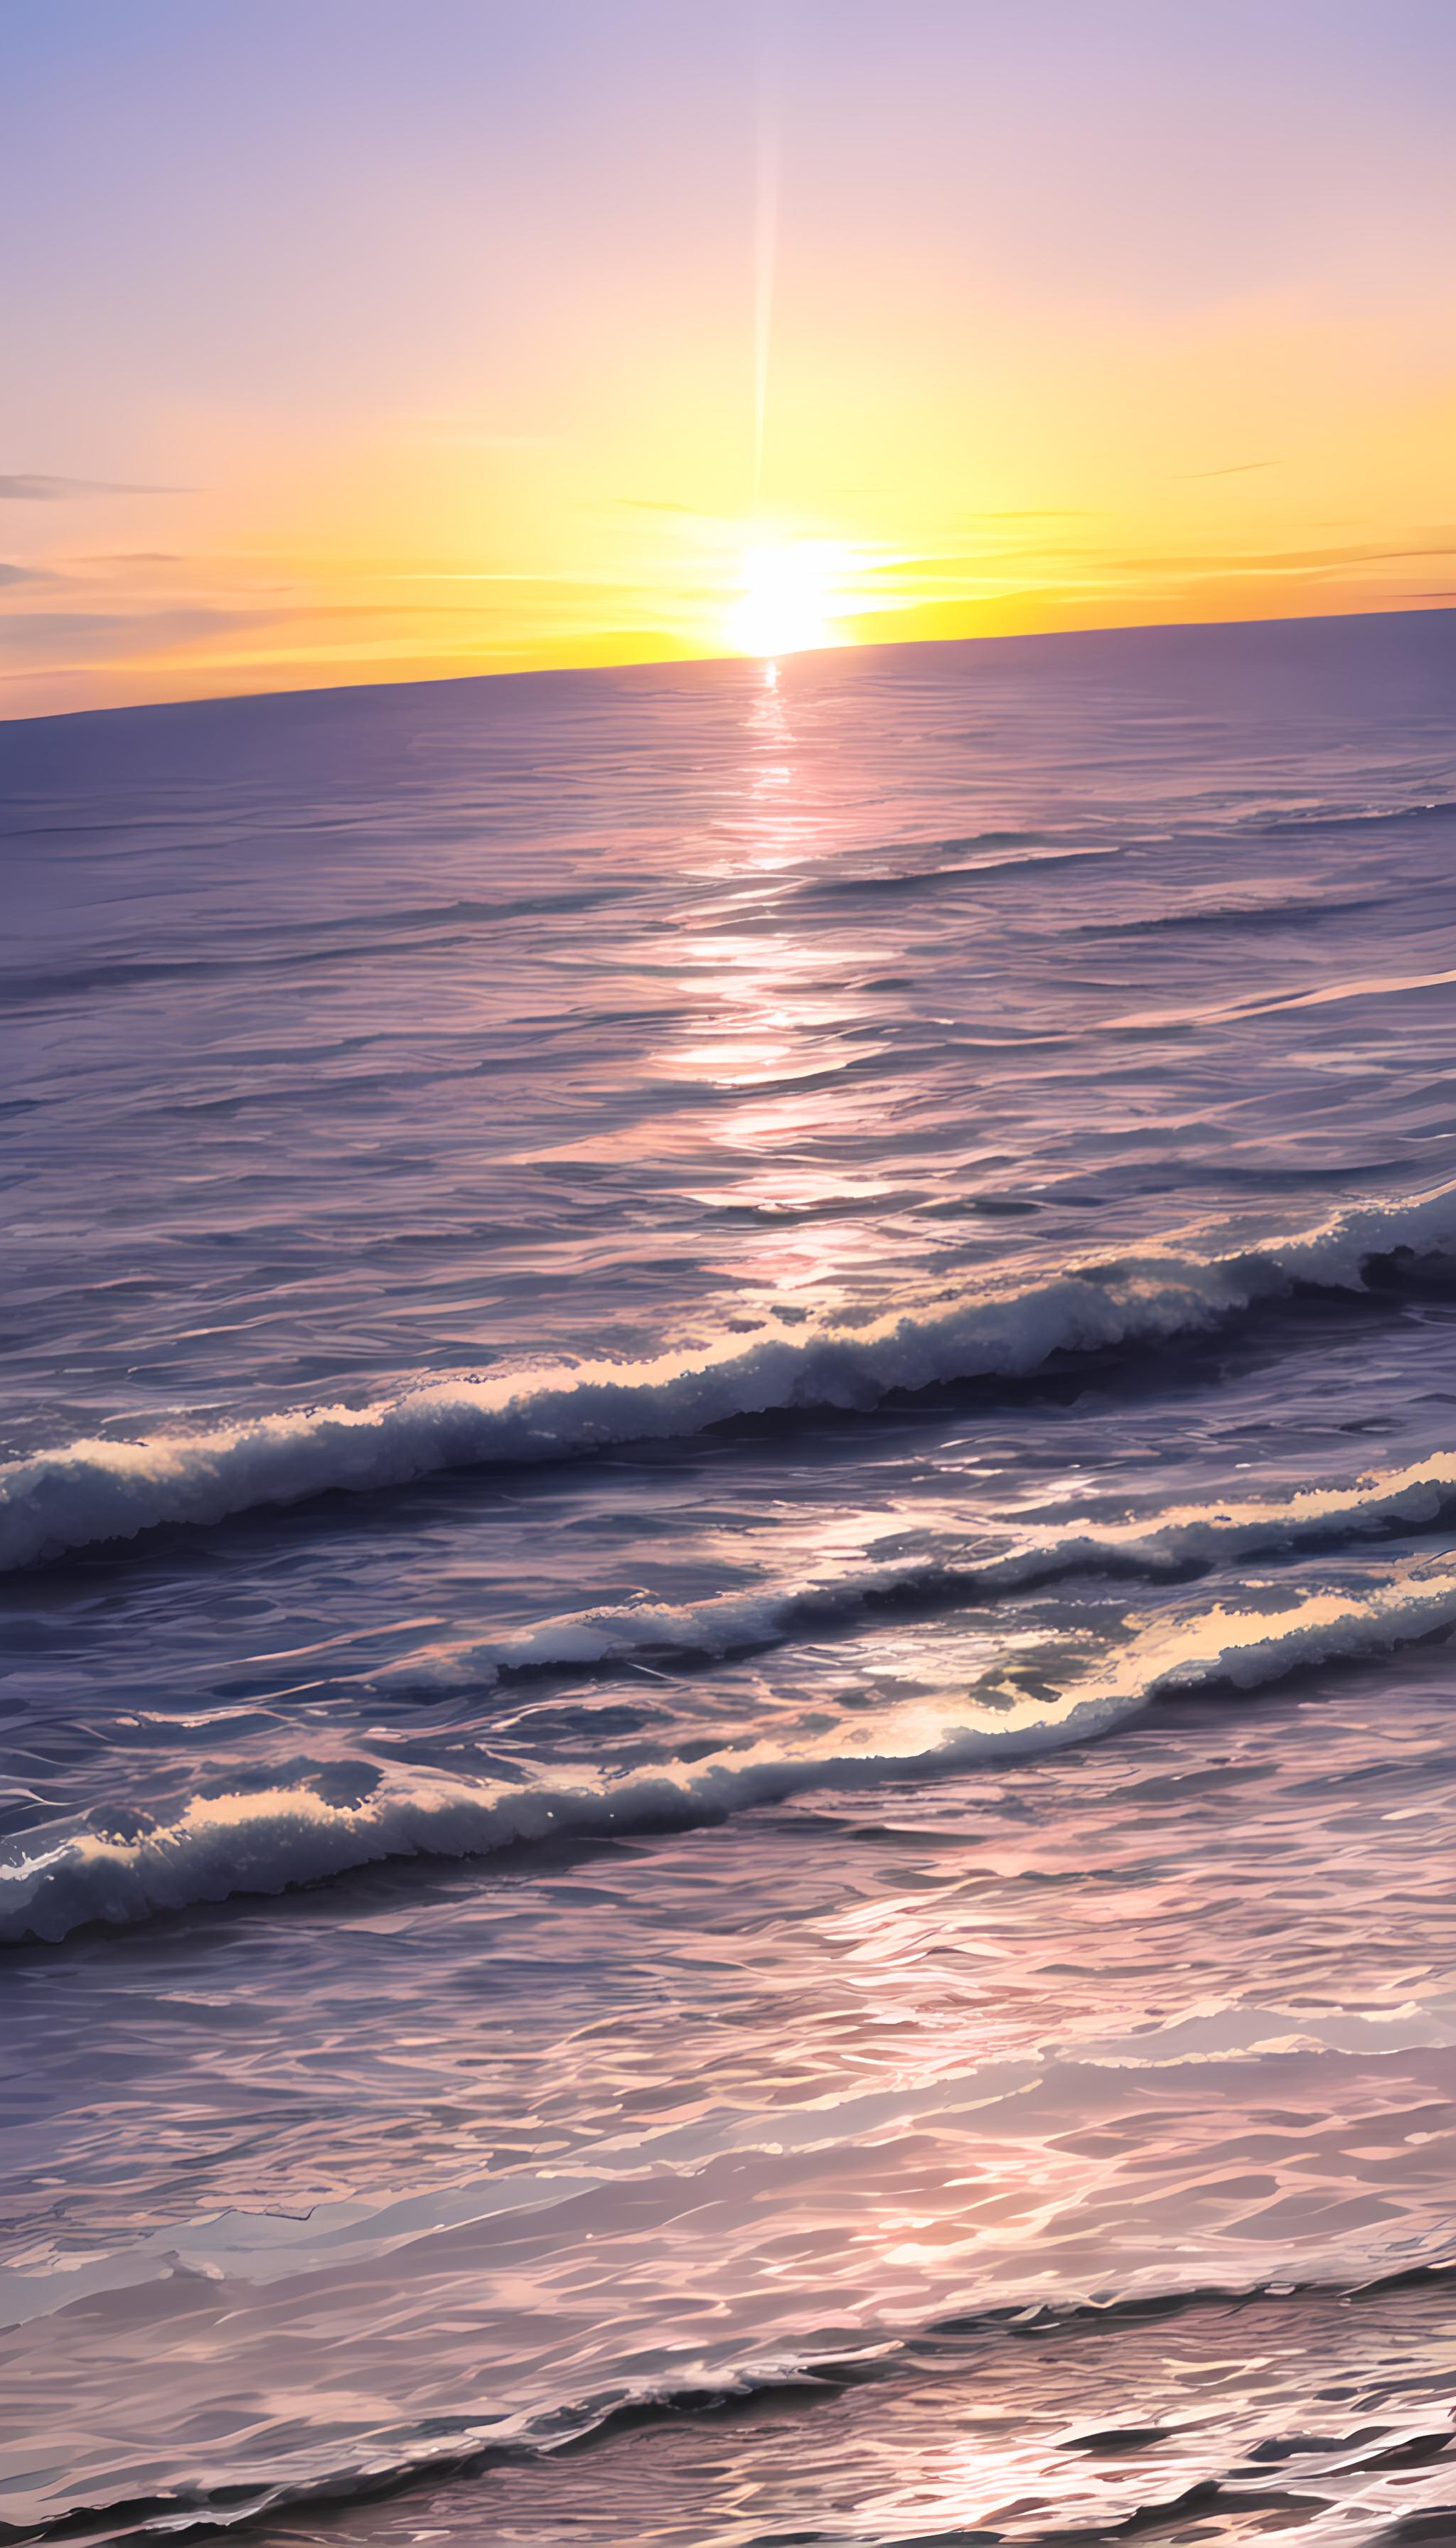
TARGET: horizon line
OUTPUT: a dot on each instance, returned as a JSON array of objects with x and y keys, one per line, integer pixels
[{"x": 1409, "y": 609}]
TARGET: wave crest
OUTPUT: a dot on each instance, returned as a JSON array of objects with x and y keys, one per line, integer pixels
[
  {"x": 58, "y": 1876},
  {"x": 94, "y": 1490}
]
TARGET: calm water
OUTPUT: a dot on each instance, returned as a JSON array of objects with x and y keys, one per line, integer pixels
[{"x": 730, "y": 1532}]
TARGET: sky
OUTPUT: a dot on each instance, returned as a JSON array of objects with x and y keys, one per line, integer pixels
[{"x": 351, "y": 341}]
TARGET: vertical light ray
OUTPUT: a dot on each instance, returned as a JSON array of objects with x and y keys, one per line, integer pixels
[{"x": 765, "y": 244}]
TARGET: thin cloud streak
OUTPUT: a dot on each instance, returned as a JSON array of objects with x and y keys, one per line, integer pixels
[{"x": 27, "y": 488}]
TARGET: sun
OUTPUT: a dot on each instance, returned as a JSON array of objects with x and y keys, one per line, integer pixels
[{"x": 787, "y": 600}]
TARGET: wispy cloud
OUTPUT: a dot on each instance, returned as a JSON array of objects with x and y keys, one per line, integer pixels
[
  {"x": 1316, "y": 561},
  {"x": 39, "y": 636},
  {"x": 28, "y": 489}
]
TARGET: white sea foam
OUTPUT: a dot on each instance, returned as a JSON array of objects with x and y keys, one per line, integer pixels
[
  {"x": 261, "y": 1840},
  {"x": 102, "y": 1489}
]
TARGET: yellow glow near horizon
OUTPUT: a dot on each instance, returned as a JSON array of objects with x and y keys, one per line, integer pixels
[
  {"x": 790, "y": 599},
  {"x": 654, "y": 351}
]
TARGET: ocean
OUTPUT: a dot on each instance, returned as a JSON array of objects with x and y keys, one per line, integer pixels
[{"x": 729, "y": 1523}]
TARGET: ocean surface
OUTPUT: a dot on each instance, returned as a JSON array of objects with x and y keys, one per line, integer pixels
[{"x": 729, "y": 1523}]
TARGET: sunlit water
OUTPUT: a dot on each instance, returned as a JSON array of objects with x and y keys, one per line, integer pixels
[{"x": 731, "y": 1523}]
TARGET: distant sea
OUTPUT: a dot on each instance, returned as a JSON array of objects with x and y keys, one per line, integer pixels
[{"x": 729, "y": 1735}]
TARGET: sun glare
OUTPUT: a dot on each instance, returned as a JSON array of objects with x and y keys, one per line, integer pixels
[{"x": 788, "y": 599}]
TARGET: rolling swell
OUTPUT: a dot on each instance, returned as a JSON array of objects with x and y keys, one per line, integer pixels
[
  {"x": 1357, "y": 818},
  {"x": 60, "y": 1875},
  {"x": 905, "y": 883},
  {"x": 94, "y": 1490}
]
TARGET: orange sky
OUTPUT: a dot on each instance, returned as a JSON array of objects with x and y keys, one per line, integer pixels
[{"x": 362, "y": 342}]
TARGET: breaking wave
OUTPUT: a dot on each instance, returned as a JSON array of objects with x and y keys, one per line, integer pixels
[
  {"x": 260, "y": 1840},
  {"x": 98, "y": 1489}
]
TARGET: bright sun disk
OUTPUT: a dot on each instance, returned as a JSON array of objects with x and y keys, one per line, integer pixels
[{"x": 787, "y": 600}]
